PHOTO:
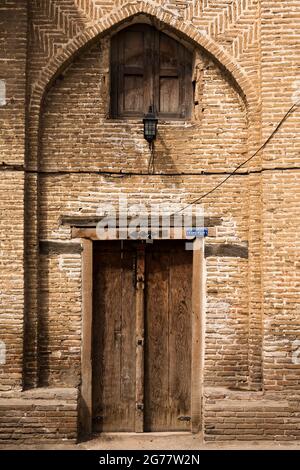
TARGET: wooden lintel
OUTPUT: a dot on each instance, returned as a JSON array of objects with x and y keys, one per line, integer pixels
[
  {"x": 172, "y": 234},
  {"x": 48, "y": 247},
  {"x": 226, "y": 250},
  {"x": 81, "y": 221}
]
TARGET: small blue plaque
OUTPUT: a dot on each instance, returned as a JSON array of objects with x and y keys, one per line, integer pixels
[{"x": 197, "y": 232}]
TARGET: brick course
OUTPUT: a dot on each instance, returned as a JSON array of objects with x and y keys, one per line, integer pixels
[{"x": 39, "y": 416}]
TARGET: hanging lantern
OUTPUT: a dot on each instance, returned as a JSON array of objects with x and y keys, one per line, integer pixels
[{"x": 150, "y": 125}]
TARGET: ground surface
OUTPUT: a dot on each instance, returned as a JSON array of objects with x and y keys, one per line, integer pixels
[{"x": 174, "y": 441}]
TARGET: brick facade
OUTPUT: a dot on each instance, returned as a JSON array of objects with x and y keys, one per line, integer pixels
[{"x": 61, "y": 155}]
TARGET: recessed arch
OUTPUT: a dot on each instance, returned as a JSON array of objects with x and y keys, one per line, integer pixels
[{"x": 116, "y": 19}]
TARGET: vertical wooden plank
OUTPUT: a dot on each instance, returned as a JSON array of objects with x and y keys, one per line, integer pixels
[
  {"x": 180, "y": 332},
  {"x": 133, "y": 79},
  {"x": 197, "y": 355},
  {"x": 140, "y": 286},
  {"x": 128, "y": 343},
  {"x": 155, "y": 71},
  {"x": 127, "y": 339},
  {"x": 187, "y": 92},
  {"x": 120, "y": 78},
  {"x": 182, "y": 52},
  {"x": 169, "y": 95},
  {"x": 106, "y": 339},
  {"x": 113, "y": 339},
  {"x": 156, "y": 348},
  {"x": 86, "y": 351},
  {"x": 168, "y": 85},
  {"x": 114, "y": 77}
]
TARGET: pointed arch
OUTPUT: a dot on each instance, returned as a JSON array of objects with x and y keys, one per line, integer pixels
[{"x": 116, "y": 17}]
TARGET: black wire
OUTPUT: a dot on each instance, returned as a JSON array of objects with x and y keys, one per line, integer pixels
[
  {"x": 119, "y": 174},
  {"x": 195, "y": 201},
  {"x": 12, "y": 167},
  {"x": 151, "y": 159}
]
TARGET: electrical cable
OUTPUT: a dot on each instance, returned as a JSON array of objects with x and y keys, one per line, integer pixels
[
  {"x": 12, "y": 167},
  {"x": 275, "y": 130}
]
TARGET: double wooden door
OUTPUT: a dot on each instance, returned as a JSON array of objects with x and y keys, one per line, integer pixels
[{"x": 142, "y": 335}]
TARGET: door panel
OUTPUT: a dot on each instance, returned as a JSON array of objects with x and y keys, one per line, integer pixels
[
  {"x": 168, "y": 337},
  {"x": 180, "y": 338},
  {"x": 113, "y": 338},
  {"x": 156, "y": 344}
]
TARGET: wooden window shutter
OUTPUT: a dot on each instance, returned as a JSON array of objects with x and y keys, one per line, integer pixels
[
  {"x": 127, "y": 79},
  {"x": 149, "y": 68},
  {"x": 175, "y": 68}
]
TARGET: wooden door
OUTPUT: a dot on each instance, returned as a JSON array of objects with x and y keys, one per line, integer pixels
[
  {"x": 142, "y": 379},
  {"x": 113, "y": 337},
  {"x": 168, "y": 337}
]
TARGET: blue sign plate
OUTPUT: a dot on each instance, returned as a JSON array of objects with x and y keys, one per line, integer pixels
[{"x": 197, "y": 232}]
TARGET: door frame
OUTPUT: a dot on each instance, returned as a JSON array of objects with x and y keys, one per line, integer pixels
[{"x": 88, "y": 236}]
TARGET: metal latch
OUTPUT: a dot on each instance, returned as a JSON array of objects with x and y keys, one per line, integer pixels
[{"x": 184, "y": 418}]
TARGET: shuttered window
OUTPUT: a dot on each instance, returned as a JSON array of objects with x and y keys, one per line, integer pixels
[{"x": 149, "y": 68}]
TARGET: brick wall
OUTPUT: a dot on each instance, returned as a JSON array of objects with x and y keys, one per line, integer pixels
[
  {"x": 247, "y": 80},
  {"x": 13, "y": 17},
  {"x": 13, "y": 47},
  {"x": 281, "y": 279},
  {"x": 11, "y": 273},
  {"x": 280, "y": 193}
]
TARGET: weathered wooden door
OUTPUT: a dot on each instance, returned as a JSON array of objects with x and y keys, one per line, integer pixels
[
  {"x": 142, "y": 333},
  {"x": 168, "y": 298},
  {"x": 113, "y": 337}
]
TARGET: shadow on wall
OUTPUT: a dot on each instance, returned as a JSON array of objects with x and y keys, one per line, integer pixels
[{"x": 58, "y": 339}]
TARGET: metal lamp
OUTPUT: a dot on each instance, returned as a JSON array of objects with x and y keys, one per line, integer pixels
[{"x": 150, "y": 125}]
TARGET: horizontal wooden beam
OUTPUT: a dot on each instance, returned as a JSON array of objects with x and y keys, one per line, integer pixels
[
  {"x": 59, "y": 248},
  {"x": 226, "y": 250},
  {"x": 157, "y": 234},
  {"x": 80, "y": 221}
]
